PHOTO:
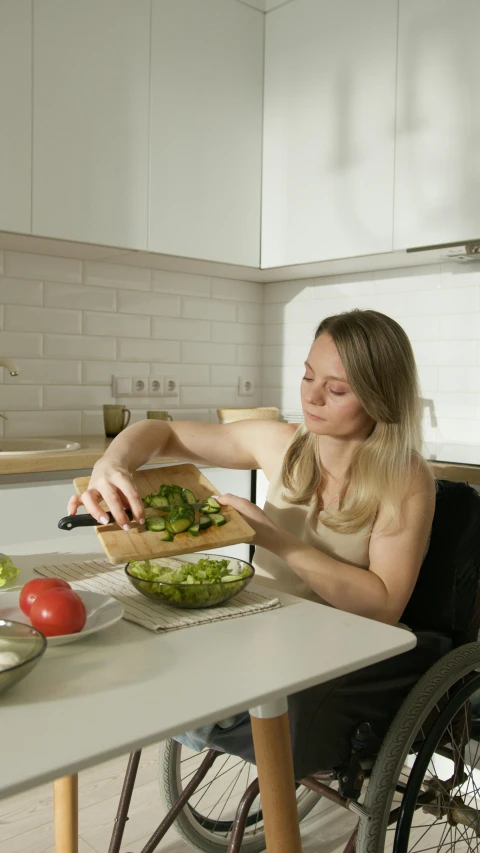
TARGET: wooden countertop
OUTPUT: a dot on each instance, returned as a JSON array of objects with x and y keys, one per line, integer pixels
[{"x": 93, "y": 446}]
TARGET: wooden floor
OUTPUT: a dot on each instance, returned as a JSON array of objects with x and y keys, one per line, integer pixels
[{"x": 26, "y": 820}]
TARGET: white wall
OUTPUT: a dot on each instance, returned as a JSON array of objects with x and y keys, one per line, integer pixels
[
  {"x": 70, "y": 325},
  {"x": 439, "y": 308}
]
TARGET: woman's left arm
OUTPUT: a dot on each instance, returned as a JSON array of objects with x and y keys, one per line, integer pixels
[{"x": 380, "y": 593}]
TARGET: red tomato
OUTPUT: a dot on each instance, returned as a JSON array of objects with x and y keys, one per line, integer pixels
[
  {"x": 58, "y": 611},
  {"x": 34, "y": 588}
]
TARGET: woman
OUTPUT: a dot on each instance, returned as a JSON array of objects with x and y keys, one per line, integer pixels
[{"x": 347, "y": 518}]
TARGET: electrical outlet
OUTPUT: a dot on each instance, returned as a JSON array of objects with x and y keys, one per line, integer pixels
[
  {"x": 121, "y": 386},
  {"x": 246, "y": 387},
  {"x": 139, "y": 386},
  {"x": 155, "y": 386},
  {"x": 170, "y": 386}
]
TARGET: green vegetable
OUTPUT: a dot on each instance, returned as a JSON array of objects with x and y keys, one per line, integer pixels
[
  {"x": 188, "y": 497},
  {"x": 200, "y": 584},
  {"x": 167, "y": 536},
  {"x": 158, "y": 501},
  {"x": 7, "y": 570},
  {"x": 155, "y": 524},
  {"x": 204, "y": 522},
  {"x": 218, "y": 519},
  {"x": 193, "y": 529}
]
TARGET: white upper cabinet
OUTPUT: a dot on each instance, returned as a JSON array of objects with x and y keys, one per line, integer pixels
[
  {"x": 206, "y": 130},
  {"x": 15, "y": 115},
  {"x": 90, "y": 124},
  {"x": 329, "y": 125},
  {"x": 437, "y": 187}
]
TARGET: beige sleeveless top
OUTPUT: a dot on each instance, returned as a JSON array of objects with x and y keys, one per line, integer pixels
[{"x": 306, "y": 523}]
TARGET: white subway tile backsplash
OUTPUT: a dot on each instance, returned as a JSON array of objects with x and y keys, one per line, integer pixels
[
  {"x": 454, "y": 406},
  {"x": 141, "y": 350},
  {"x": 114, "y": 275},
  {"x": 222, "y": 374},
  {"x": 460, "y": 300},
  {"x": 159, "y": 304},
  {"x": 200, "y": 353},
  {"x": 42, "y": 267},
  {"x": 41, "y": 423},
  {"x": 460, "y": 327},
  {"x": 45, "y": 371},
  {"x": 428, "y": 376},
  {"x": 289, "y": 291},
  {"x": 422, "y": 328},
  {"x": 21, "y": 398},
  {"x": 249, "y": 354},
  {"x": 202, "y": 415},
  {"x": 209, "y": 309},
  {"x": 181, "y": 283},
  {"x": 250, "y": 312},
  {"x": 57, "y": 295},
  {"x": 19, "y": 291},
  {"x": 240, "y": 291},
  {"x": 187, "y": 374},
  {"x": 445, "y": 352},
  {"x": 101, "y": 372},
  {"x": 20, "y": 344},
  {"x": 458, "y": 275},
  {"x": 236, "y": 333},
  {"x": 75, "y": 397},
  {"x": 26, "y": 318},
  {"x": 116, "y": 325},
  {"x": 180, "y": 329},
  {"x": 213, "y": 396},
  {"x": 464, "y": 380},
  {"x": 79, "y": 346}
]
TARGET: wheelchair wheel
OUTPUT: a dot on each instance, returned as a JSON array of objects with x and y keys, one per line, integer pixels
[
  {"x": 206, "y": 822},
  {"x": 424, "y": 791}
]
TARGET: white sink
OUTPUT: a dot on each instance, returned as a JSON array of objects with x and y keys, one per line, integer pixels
[{"x": 34, "y": 446}]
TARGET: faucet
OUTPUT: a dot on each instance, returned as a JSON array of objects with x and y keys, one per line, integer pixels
[
  {"x": 10, "y": 366},
  {"x": 426, "y": 404}
]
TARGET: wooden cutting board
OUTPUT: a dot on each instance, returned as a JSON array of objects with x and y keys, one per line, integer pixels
[{"x": 120, "y": 546}]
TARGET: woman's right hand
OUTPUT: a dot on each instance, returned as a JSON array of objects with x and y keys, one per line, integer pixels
[{"x": 114, "y": 485}]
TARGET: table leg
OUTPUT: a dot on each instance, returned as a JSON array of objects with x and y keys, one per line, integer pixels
[
  {"x": 65, "y": 814},
  {"x": 273, "y": 756}
]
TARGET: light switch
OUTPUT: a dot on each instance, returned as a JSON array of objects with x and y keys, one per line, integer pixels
[{"x": 122, "y": 386}]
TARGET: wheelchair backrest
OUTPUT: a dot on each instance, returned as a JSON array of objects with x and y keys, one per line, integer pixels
[{"x": 444, "y": 598}]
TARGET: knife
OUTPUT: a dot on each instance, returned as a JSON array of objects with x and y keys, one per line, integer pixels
[{"x": 84, "y": 519}]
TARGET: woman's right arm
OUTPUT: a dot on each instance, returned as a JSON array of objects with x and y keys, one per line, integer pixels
[{"x": 243, "y": 444}]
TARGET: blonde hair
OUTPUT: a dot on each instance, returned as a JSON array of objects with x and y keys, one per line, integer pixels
[{"x": 380, "y": 367}]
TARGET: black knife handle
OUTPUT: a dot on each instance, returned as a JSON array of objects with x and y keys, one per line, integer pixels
[{"x": 84, "y": 519}]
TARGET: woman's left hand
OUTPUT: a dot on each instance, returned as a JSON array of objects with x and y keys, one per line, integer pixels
[{"x": 265, "y": 530}]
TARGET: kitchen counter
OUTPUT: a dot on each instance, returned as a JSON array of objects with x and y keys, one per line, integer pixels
[
  {"x": 449, "y": 461},
  {"x": 92, "y": 447}
]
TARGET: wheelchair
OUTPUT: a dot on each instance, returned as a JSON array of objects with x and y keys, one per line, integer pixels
[{"x": 419, "y": 790}]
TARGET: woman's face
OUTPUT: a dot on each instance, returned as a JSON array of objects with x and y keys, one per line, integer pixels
[{"x": 329, "y": 405}]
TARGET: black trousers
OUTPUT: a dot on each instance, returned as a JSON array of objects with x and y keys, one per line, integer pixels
[{"x": 323, "y": 719}]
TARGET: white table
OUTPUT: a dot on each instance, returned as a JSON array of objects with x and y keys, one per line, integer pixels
[{"x": 126, "y": 687}]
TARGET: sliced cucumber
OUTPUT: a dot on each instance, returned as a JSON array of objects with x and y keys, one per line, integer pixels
[
  {"x": 159, "y": 501},
  {"x": 179, "y": 526},
  {"x": 204, "y": 522},
  {"x": 167, "y": 536},
  {"x": 218, "y": 519},
  {"x": 146, "y": 500},
  {"x": 193, "y": 529},
  {"x": 155, "y": 524},
  {"x": 182, "y": 512},
  {"x": 213, "y": 504},
  {"x": 188, "y": 497}
]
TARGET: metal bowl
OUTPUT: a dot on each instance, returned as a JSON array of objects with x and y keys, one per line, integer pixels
[
  {"x": 24, "y": 641},
  {"x": 191, "y": 595}
]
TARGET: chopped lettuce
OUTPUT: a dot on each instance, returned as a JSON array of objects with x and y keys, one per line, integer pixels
[
  {"x": 7, "y": 570},
  {"x": 200, "y": 584}
]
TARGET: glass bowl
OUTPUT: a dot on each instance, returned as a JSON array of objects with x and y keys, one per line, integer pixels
[
  {"x": 191, "y": 595},
  {"x": 24, "y": 641}
]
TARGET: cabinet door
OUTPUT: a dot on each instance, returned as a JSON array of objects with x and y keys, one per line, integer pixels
[
  {"x": 90, "y": 161},
  {"x": 328, "y": 130},
  {"x": 437, "y": 174},
  {"x": 206, "y": 130},
  {"x": 15, "y": 115}
]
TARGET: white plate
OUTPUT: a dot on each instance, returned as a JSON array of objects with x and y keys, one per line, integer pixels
[{"x": 102, "y": 611}]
